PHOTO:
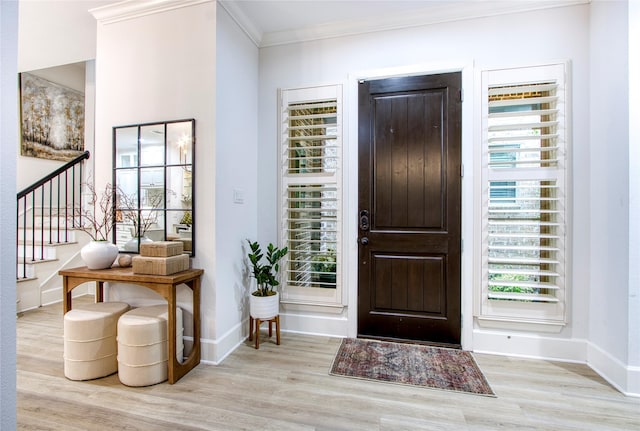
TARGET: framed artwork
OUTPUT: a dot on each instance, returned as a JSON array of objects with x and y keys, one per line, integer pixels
[{"x": 52, "y": 119}]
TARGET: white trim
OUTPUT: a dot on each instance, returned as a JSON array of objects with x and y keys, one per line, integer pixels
[
  {"x": 237, "y": 14},
  {"x": 415, "y": 18},
  {"x": 308, "y": 324},
  {"x": 216, "y": 350},
  {"x": 523, "y": 325},
  {"x": 624, "y": 378},
  {"x": 350, "y": 181},
  {"x": 128, "y": 9},
  {"x": 532, "y": 346}
]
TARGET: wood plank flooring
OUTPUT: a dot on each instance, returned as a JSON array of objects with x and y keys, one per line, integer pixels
[{"x": 288, "y": 387}]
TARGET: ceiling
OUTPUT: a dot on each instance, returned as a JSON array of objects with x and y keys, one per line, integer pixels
[{"x": 276, "y": 22}]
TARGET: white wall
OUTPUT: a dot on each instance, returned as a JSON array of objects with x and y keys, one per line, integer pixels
[
  {"x": 52, "y": 33},
  {"x": 523, "y": 39},
  {"x": 55, "y": 41},
  {"x": 8, "y": 140},
  {"x": 633, "y": 385},
  {"x": 156, "y": 67},
  {"x": 236, "y": 173},
  {"x": 56, "y": 38},
  {"x": 609, "y": 329}
]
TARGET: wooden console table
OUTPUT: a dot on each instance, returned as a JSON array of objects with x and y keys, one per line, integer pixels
[{"x": 165, "y": 285}]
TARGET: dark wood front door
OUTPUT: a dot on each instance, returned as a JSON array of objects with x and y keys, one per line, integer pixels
[{"x": 409, "y": 208}]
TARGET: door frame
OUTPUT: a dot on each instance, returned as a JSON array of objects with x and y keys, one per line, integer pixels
[{"x": 469, "y": 194}]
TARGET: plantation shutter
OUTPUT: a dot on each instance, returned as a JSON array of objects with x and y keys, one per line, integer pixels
[
  {"x": 311, "y": 136},
  {"x": 524, "y": 193}
]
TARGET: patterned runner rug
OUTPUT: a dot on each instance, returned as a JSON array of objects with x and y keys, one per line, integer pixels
[{"x": 411, "y": 364}]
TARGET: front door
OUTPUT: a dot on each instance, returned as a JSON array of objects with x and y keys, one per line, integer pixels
[{"x": 409, "y": 202}]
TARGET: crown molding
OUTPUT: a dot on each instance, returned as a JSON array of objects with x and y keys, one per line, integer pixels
[
  {"x": 419, "y": 17},
  {"x": 130, "y": 9},
  {"x": 237, "y": 14}
]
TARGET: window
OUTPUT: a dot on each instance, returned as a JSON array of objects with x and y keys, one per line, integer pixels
[
  {"x": 524, "y": 193},
  {"x": 311, "y": 214}
]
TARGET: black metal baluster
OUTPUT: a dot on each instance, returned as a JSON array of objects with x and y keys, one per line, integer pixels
[
  {"x": 31, "y": 191},
  {"x": 73, "y": 198},
  {"x": 41, "y": 215},
  {"x": 66, "y": 205},
  {"x": 33, "y": 230},
  {"x": 58, "y": 210},
  {"x": 50, "y": 214}
]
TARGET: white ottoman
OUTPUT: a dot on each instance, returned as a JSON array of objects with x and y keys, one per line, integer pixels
[
  {"x": 90, "y": 340},
  {"x": 142, "y": 345}
]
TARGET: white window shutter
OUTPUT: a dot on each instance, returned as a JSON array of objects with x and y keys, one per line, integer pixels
[
  {"x": 524, "y": 143},
  {"x": 311, "y": 194}
]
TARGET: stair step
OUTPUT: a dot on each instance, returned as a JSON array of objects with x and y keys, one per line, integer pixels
[
  {"x": 21, "y": 260},
  {"x": 21, "y": 280},
  {"x": 25, "y": 272},
  {"x": 39, "y": 235},
  {"x": 46, "y": 244}
]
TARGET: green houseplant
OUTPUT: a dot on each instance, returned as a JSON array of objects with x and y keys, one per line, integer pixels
[
  {"x": 265, "y": 273},
  {"x": 264, "y": 302}
]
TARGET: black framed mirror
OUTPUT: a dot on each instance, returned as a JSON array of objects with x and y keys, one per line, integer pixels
[{"x": 153, "y": 182}]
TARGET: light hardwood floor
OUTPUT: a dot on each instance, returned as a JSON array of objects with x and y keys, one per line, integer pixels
[{"x": 288, "y": 387}]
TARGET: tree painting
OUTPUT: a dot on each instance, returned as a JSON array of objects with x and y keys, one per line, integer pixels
[{"x": 52, "y": 119}]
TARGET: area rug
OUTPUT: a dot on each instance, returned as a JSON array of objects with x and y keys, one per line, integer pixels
[{"x": 410, "y": 364}]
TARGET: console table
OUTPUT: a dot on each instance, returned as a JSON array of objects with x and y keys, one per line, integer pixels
[{"x": 165, "y": 285}]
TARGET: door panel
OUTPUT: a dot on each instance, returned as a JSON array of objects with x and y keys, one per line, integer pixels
[{"x": 409, "y": 190}]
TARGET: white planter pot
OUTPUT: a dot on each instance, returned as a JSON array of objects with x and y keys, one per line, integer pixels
[
  {"x": 264, "y": 307},
  {"x": 99, "y": 254}
]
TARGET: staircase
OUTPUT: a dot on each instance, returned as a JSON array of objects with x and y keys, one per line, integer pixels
[{"x": 48, "y": 213}]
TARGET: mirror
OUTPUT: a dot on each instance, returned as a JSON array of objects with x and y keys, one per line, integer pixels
[{"x": 153, "y": 182}]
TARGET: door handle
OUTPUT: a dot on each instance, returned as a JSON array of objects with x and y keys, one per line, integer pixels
[
  {"x": 364, "y": 220},
  {"x": 364, "y": 240}
]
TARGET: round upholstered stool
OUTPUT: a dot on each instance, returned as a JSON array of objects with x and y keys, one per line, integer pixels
[
  {"x": 142, "y": 345},
  {"x": 90, "y": 340}
]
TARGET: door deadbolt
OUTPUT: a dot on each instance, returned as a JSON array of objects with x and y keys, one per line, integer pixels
[{"x": 364, "y": 220}]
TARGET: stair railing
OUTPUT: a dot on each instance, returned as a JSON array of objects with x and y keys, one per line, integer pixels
[{"x": 56, "y": 200}]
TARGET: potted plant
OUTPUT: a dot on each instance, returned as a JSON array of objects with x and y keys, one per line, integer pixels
[
  {"x": 264, "y": 301},
  {"x": 97, "y": 221}
]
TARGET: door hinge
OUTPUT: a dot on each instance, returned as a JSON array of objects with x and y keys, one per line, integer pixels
[
  {"x": 462, "y": 169},
  {"x": 461, "y": 245},
  {"x": 461, "y": 94}
]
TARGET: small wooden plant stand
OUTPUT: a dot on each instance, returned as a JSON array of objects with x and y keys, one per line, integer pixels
[{"x": 271, "y": 321}]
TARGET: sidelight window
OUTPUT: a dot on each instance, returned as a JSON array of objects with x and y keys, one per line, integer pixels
[
  {"x": 524, "y": 194},
  {"x": 311, "y": 137}
]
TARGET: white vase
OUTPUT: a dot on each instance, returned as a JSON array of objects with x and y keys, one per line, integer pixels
[
  {"x": 99, "y": 254},
  {"x": 264, "y": 307},
  {"x": 132, "y": 244}
]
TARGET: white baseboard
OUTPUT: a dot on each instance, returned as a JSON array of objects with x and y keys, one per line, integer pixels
[
  {"x": 327, "y": 325},
  {"x": 624, "y": 378},
  {"x": 54, "y": 295},
  {"x": 529, "y": 346},
  {"x": 215, "y": 351}
]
